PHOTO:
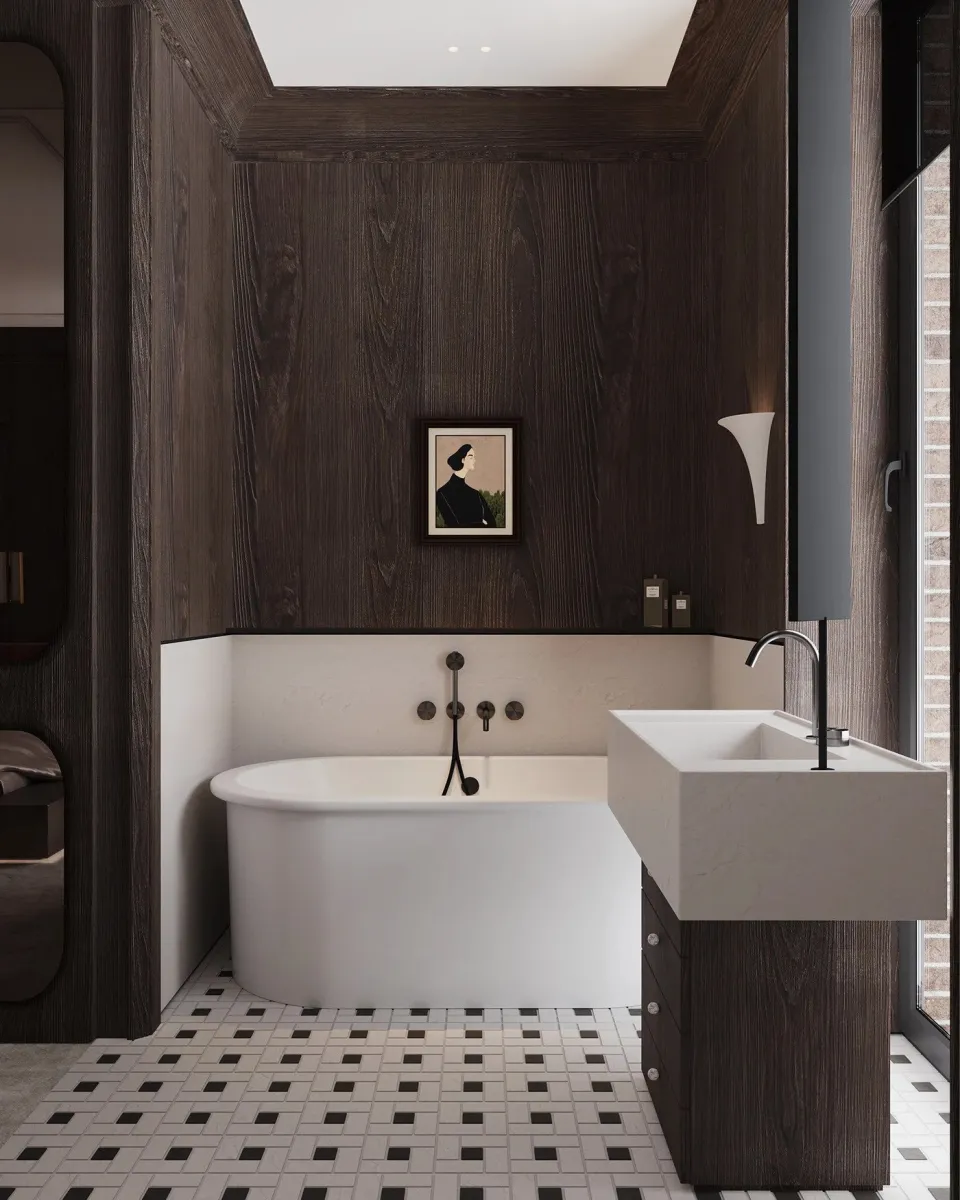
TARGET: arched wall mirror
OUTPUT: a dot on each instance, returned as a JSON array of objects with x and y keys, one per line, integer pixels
[
  {"x": 31, "y": 865},
  {"x": 33, "y": 359}
]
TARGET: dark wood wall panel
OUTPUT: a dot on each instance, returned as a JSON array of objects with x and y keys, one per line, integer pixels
[
  {"x": 748, "y": 285},
  {"x": 369, "y": 294},
  {"x": 191, "y": 362}
]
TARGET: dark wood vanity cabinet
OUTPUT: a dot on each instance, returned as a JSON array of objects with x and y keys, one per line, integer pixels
[{"x": 766, "y": 1048}]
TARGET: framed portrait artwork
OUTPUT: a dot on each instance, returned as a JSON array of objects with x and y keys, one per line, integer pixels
[{"x": 469, "y": 481}]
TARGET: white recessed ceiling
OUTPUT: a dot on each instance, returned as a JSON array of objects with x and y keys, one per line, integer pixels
[{"x": 408, "y": 43}]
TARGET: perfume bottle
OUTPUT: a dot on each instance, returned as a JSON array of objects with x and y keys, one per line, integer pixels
[
  {"x": 681, "y": 611},
  {"x": 656, "y": 603}
]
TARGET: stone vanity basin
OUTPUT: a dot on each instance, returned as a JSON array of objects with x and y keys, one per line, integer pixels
[{"x": 729, "y": 818}]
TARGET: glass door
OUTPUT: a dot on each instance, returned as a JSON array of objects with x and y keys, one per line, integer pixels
[{"x": 925, "y": 513}]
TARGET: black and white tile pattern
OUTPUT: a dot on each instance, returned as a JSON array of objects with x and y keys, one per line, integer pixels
[{"x": 236, "y": 1098}]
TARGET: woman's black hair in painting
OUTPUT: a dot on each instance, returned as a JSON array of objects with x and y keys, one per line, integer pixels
[{"x": 456, "y": 460}]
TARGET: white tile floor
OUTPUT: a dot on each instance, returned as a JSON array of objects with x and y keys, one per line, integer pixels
[{"x": 234, "y": 1098}]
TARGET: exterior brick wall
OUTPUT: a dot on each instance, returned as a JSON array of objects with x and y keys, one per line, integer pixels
[{"x": 935, "y": 712}]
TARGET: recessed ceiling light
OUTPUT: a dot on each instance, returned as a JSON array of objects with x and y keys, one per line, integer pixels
[
  {"x": 453, "y": 49},
  {"x": 484, "y": 49}
]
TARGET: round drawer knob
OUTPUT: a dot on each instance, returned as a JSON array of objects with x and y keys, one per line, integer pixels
[
  {"x": 653, "y": 1074},
  {"x": 653, "y": 939},
  {"x": 653, "y": 1008}
]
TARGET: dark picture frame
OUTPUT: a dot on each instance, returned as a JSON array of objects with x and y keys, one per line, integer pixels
[{"x": 495, "y": 462}]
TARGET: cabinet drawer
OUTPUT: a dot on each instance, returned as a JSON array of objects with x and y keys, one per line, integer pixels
[
  {"x": 662, "y": 958},
  {"x": 664, "y": 1028},
  {"x": 673, "y": 1118},
  {"x": 671, "y": 922}
]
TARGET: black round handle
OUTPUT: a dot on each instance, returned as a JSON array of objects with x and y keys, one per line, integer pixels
[
  {"x": 485, "y": 710},
  {"x": 426, "y": 710},
  {"x": 460, "y": 709},
  {"x": 455, "y": 660},
  {"x": 514, "y": 710}
]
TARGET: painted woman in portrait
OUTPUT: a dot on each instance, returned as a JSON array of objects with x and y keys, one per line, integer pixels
[{"x": 460, "y": 505}]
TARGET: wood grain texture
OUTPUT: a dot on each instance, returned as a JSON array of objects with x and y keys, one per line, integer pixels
[
  {"x": 771, "y": 1037},
  {"x": 370, "y": 294},
  {"x": 190, "y": 289},
  {"x": 864, "y": 687},
  {"x": 748, "y": 288}
]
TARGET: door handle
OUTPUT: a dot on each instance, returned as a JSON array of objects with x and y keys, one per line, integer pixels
[{"x": 896, "y": 465}]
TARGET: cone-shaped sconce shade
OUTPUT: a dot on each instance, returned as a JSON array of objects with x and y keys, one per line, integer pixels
[{"x": 752, "y": 431}]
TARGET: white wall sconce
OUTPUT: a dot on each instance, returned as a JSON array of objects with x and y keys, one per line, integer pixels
[{"x": 752, "y": 431}]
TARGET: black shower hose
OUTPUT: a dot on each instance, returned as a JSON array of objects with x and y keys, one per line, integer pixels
[{"x": 468, "y": 785}]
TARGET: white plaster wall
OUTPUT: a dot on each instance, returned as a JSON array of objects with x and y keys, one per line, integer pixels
[
  {"x": 195, "y": 745},
  {"x": 735, "y": 685}
]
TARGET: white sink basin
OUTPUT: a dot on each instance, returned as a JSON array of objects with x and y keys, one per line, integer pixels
[{"x": 733, "y": 824}]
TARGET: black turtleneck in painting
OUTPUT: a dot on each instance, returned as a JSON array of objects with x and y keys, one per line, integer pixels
[{"x": 462, "y": 506}]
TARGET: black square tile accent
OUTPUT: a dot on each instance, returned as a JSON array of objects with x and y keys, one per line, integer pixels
[
  {"x": 541, "y": 1118},
  {"x": 352, "y": 1059},
  {"x": 398, "y": 1153},
  {"x": 475, "y": 1060},
  {"x": 471, "y": 1154},
  {"x": 537, "y": 1085},
  {"x": 216, "y": 1085},
  {"x": 358, "y": 1033},
  {"x": 313, "y": 1193},
  {"x": 392, "y": 1193},
  {"x": 310, "y": 1012},
  {"x": 129, "y": 1118},
  {"x": 635, "y": 1012},
  {"x": 85, "y": 1085},
  {"x": 618, "y": 1153},
  {"x": 251, "y": 1154},
  {"x": 472, "y": 1118},
  {"x": 156, "y": 1193},
  {"x": 105, "y": 1153},
  {"x": 925, "y": 1087},
  {"x": 225, "y": 974},
  {"x": 301, "y": 1033},
  {"x": 325, "y": 1154},
  {"x": 470, "y": 1193},
  {"x": 340, "y": 1086},
  {"x": 473, "y": 1033},
  {"x": 256, "y": 1012},
  {"x": 529, "y": 1012},
  {"x": 408, "y": 1085},
  {"x": 238, "y": 1193},
  {"x": 169, "y": 1059},
  {"x": 472, "y": 1085},
  {"x": 946, "y": 1117},
  {"x": 214, "y": 992},
  {"x": 404, "y": 1118},
  {"x": 266, "y": 1118},
  {"x": 200, "y": 1012},
  {"x": 244, "y": 1034},
  {"x": 229, "y": 1060},
  {"x": 60, "y": 1118},
  {"x": 288, "y": 1060},
  {"x": 589, "y": 1033},
  {"x": 473, "y": 1012},
  {"x": 151, "y": 1085},
  {"x": 595, "y": 1059},
  {"x": 77, "y": 1193},
  {"x": 178, "y": 1154},
  {"x": 419, "y": 1012},
  {"x": 186, "y": 1033},
  {"x": 108, "y": 1058},
  {"x": 335, "y": 1118},
  {"x": 583, "y": 1012},
  {"x": 197, "y": 1118},
  {"x": 365, "y": 1012},
  {"x": 533, "y": 1059},
  {"x": 899, "y": 1058},
  {"x": 545, "y": 1153},
  {"x": 610, "y": 1118},
  {"x": 629, "y": 1193},
  {"x": 601, "y": 1085},
  {"x": 416, "y": 1033},
  {"x": 549, "y": 1193},
  {"x": 32, "y": 1154},
  {"x": 281, "y": 1085},
  {"x": 912, "y": 1153},
  {"x": 413, "y": 1059},
  {"x": 531, "y": 1033}
]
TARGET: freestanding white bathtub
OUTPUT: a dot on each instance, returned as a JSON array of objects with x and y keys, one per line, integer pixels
[{"x": 353, "y": 882}]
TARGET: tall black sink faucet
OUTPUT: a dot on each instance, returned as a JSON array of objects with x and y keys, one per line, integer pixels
[{"x": 820, "y": 732}]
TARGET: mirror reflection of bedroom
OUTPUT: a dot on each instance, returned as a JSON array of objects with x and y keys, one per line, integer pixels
[{"x": 33, "y": 480}]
